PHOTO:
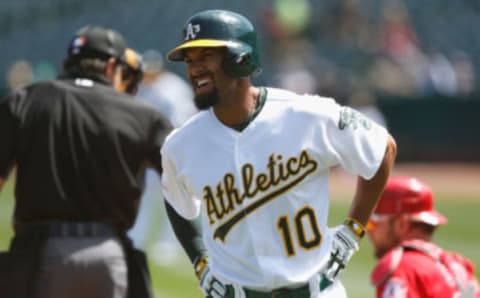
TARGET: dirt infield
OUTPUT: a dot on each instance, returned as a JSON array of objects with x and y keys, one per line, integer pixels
[{"x": 448, "y": 179}]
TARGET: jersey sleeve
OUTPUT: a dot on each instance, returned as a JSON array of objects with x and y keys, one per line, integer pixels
[
  {"x": 8, "y": 127},
  {"x": 175, "y": 190},
  {"x": 356, "y": 142}
]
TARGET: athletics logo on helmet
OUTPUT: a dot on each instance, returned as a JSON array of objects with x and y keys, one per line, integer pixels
[
  {"x": 406, "y": 195},
  {"x": 221, "y": 28},
  {"x": 191, "y": 31}
]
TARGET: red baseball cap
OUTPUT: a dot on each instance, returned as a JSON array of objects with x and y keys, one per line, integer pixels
[{"x": 408, "y": 195}]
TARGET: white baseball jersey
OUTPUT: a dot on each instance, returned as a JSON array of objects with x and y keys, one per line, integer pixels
[{"x": 263, "y": 192}]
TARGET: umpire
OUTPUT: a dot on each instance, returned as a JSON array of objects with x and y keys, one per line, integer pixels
[{"x": 80, "y": 149}]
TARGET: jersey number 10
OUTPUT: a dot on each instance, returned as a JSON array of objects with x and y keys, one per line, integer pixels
[{"x": 306, "y": 230}]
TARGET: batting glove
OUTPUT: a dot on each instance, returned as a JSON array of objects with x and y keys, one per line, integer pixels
[
  {"x": 345, "y": 243},
  {"x": 209, "y": 284}
]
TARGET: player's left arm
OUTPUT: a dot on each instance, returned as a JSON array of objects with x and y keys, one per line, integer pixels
[
  {"x": 368, "y": 191},
  {"x": 347, "y": 236}
]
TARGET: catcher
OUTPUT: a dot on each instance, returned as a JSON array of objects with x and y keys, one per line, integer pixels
[{"x": 410, "y": 264}]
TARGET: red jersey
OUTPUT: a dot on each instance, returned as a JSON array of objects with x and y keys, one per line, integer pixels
[{"x": 420, "y": 269}]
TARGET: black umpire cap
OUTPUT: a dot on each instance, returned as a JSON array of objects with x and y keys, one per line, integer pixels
[{"x": 97, "y": 42}]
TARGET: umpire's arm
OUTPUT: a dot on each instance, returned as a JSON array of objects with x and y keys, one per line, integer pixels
[
  {"x": 8, "y": 129},
  {"x": 368, "y": 191}
]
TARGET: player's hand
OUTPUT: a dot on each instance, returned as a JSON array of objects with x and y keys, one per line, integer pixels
[
  {"x": 345, "y": 244},
  {"x": 210, "y": 286}
]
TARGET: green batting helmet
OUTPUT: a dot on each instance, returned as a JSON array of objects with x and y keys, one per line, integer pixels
[{"x": 221, "y": 28}]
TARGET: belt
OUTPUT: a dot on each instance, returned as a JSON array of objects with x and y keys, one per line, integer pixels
[
  {"x": 71, "y": 228},
  {"x": 301, "y": 292}
]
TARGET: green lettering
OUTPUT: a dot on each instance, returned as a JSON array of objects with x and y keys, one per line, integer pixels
[{"x": 210, "y": 204}]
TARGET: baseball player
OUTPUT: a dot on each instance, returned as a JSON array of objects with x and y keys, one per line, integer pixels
[
  {"x": 410, "y": 265},
  {"x": 133, "y": 69},
  {"x": 80, "y": 148},
  {"x": 254, "y": 163}
]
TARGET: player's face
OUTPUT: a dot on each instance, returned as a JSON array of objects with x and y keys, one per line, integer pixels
[
  {"x": 205, "y": 72},
  {"x": 382, "y": 234}
]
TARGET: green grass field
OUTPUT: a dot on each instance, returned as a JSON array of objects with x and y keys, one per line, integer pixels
[{"x": 178, "y": 281}]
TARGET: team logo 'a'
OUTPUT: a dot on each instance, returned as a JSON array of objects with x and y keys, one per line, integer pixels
[{"x": 191, "y": 31}]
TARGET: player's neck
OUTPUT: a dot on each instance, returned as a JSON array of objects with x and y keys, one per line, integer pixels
[{"x": 235, "y": 107}]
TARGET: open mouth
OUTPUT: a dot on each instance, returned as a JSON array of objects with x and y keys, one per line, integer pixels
[{"x": 202, "y": 84}]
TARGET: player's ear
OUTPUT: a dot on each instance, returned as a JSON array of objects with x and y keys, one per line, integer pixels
[
  {"x": 110, "y": 68},
  {"x": 113, "y": 72}
]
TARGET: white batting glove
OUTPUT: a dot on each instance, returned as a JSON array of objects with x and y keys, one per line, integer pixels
[
  {"x": 345, "y": 244},
  {"x": 210, "y": 286}
]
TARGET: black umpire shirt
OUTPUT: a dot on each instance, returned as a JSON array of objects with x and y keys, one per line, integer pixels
[{"x": 80, "y": 150}]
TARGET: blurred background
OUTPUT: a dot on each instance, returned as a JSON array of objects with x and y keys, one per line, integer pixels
[{"x": 412, "y": 66}]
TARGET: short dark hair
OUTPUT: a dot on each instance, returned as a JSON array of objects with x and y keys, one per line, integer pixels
[{"x": 88, "y": 67}]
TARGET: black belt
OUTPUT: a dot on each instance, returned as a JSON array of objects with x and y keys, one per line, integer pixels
[
  {"x": 70, "y": 228},
  {"x": 301, "y": 292}
]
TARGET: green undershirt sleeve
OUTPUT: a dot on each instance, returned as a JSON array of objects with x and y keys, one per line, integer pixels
[{"x": 188, "y": 232}]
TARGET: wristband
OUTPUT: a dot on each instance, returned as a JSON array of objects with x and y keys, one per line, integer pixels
[
  {"x": 355, "y": 226},
  {"x": 199, "y": 266}
]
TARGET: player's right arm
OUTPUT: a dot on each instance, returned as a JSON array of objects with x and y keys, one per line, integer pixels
[
  {"x": 183, "y": 210},
  {"x": 188, "y": 233},
  {"x": 173, "y": 186}
]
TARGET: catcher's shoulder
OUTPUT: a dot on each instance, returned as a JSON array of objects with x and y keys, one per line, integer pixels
[{"x": 386, "y": 266}]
